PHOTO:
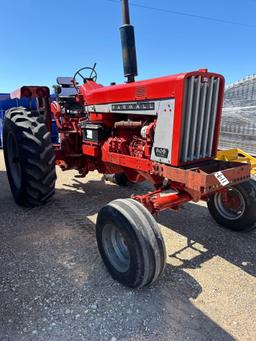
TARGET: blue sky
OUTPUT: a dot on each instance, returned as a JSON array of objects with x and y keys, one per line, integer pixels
[{"x": 44, "y": 39}]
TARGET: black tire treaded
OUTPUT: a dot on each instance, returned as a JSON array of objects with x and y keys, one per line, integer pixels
[{"x": 36, "y": 155}]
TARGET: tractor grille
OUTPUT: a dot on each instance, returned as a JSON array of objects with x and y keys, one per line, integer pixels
[{"x": 199, "y": 117}]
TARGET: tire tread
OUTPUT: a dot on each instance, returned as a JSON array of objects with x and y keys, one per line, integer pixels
[{"x": 36, "y": 154}]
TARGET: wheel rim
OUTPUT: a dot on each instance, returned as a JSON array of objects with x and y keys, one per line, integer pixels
[
  {"x": 14, "y": 160},
  {"x": 231, "y": 205},
  {"x": 116, "y": 248}
]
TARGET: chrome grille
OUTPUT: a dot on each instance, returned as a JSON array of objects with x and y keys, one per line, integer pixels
[{"x": 199, "y": 117}]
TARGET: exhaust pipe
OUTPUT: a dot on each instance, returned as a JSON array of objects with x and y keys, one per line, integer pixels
[{"x": 128, "y": 44}]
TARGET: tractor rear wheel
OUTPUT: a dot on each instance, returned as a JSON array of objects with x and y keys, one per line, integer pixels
[
  {"x": 235, "y": 209},
  {"x": 130, "y": 243},
  {"x": 29, "y": 157}
]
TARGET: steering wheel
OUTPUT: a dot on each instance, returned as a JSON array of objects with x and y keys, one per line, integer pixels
[{"x": 92, "y": 77}]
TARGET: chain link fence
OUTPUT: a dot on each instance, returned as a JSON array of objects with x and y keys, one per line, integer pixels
[{"x": 238, "y": 136}]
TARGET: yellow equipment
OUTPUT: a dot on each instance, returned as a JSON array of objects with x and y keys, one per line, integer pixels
[{"x": 237, "y": 155}]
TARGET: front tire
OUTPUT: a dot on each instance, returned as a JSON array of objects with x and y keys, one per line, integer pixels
[
  {"x": 29, "y": 157},
  {"x": 235, "y": 210},
  {"x": 130, "y": 243},
  {"x": 119, "y": 179}
]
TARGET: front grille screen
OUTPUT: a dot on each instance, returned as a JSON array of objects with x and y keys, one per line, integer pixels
[{"x": 199, "y": 117}]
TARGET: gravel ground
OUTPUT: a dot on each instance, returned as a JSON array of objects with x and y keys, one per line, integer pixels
[{"x": 53, "y": 284}]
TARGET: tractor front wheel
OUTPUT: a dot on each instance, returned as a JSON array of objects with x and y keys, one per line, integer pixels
[
  {"x": 235, "y": 208},
  {"x": 29, "y": 157},
  {"x": 130, "y": 243}
]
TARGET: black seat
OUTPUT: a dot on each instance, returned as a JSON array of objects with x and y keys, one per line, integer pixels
[
  {"x": 65, "y": 81},
  {"x": 65, "y": 88}
]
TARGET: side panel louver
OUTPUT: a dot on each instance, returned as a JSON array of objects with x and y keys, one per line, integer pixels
[{"x": 199, "y": 117}]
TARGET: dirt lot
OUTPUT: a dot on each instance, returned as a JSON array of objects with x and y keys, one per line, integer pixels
[{"x": 53, "y": 285}]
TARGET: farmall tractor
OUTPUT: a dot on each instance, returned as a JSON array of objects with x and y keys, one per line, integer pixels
[{"x": 164, "y": 131}]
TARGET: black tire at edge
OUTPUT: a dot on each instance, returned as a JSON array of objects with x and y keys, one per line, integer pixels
[{"x": 36, "y": 155}]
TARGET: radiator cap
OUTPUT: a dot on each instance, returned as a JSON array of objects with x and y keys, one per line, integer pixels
[{"x": 203, "y": 70}]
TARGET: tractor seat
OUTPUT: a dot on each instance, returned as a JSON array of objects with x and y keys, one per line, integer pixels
[{"x": 65, "y": 88}]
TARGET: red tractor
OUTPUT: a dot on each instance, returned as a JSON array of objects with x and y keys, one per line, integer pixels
[{"x": 164, "y": 131}]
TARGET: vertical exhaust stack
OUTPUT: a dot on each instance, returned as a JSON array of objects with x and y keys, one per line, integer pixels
[{"x": 128, "y": 44}]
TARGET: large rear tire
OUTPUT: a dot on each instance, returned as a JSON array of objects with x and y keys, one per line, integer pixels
[
  {"x": 130, "y": 243},
  {"x": 237, "y": 211},
  {"x": 29, "y": 157}
]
